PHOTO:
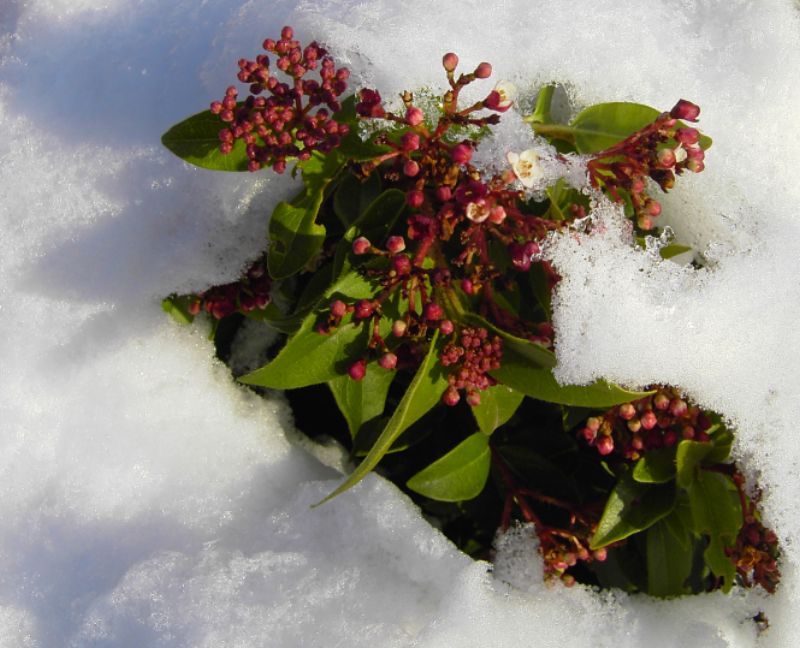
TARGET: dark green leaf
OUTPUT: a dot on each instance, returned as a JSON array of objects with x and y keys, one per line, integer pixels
[
  {"x": 680, "y": 523},
  {"x": 688, "y": 458},
  {"x": 424, "y": 392},
  {"x": 361, "y": 400},
  {"x": 632, "y": 507},
  {"x": 378, "y": 218},
  {"x": 459, "y": 475},
  {"x": 196, "y": 140},
  {"x": 353, "y": 196},
  {"x": 177, "y": 307},
  {"x": 518, "y": 373},
  {"x": 722, "y": 441},
  {"x": 668, "y": 562},
  {"x": 497, "y": 405},
  {"x": 656, "y": 467}
]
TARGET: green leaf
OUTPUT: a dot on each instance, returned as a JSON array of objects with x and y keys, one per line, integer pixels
[
  {"x": 177, "y": 307},
  {"x": 196, "y": 140},
  {"x": 379, "y": 217},
  {"x": 310, "y": 358},
  {"x": 352, "y": 146},
  {"x": 669, "y": 563},
  {"x": 459, "y": 475},
  {"x": 688, "y": 458},
  {"x": 498, "y": 404},
  {"x": 722, "y": 442},
  {"x": 601, "y": 126},
  {"x": 656, "y": 467},
  {"x": 294, "y": 235},
  {"x": 680, "y": 523},
  {"x": 538, "y": 382},
  {"x": 632, "y": 507},
  {"x": 361, "y": 400},
  {"x": 295, "y": 238},
  {"x": 717, "y": 512},
  {"x": 530, "y": 351},
  {"x": 424, "y": 392},
  {"x": 353, "y": 196}
]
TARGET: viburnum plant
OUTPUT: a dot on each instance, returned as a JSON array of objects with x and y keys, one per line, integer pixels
[{"x": 414, "y": 298}]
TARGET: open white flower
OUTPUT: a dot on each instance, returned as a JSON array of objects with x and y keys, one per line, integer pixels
[
  {"x": 507, "y": 92},
  {"x": 478, "y": 211},
  {"x": 527, "y": 166}
]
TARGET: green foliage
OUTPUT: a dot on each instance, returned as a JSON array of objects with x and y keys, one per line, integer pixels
[
  {"x": 196, "y": 141},
  {"x": 177, "y": 307},
  {"x": 458, "y": 475},
  {"x": 497, "y": 406},
  {"x": 361, "y": 400}
]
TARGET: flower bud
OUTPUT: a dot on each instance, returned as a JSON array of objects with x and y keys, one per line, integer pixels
[
  {"x": 401, "y": 264},
  {"x": 450, "y": 61},
  {"x": 462, "y": 153},
  {"x": 363, "y": 309},
  {"x": 648, "y": 420},
  {"x": 411, "y": 168},
  {"x": 685, "y": 110},
  {"x": 483, "y": 71},
  {"x": 443, "y": 194},
  {"x": 687, "y": 136},
  {"x": 409, "y": 142},
  {"x": 451, "y": 396},
  {"x": 338, "y": 308},
  {"x": 388, "y": 360},
  {"x": 627, "y": 411},
  {"x": 287, "y": 33},
  {"x": 666, "y": 158},
  {"x": 434, "y": 312},
  {"x": 361, "y": 245},
  {"x": 446, "y": 327},
  {"x": 358, "y": 369},
  {"x": 414, "y": 116},
  {"x": 605, "y": 445},
  {"x": 395, "y": 244},
  {"x": 473, "y": 398},
  {"x": 415, "y": 198},
  {"x": 497, "y": 214},
  {"x": 399, "y": 328}
]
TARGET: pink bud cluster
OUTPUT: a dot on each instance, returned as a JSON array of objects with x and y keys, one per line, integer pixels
[
  {"x": 472, "y": 358},
  {"x": 657, "y": 421},
  {"x": 251, "y": 292},
  {"x": 660, "y": 151},
  {"x": 281, "y": 120}
]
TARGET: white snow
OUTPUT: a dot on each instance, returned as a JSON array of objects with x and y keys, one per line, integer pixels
[{"x": 146, "y": 500}]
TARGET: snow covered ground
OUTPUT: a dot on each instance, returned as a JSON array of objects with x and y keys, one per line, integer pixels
[{"x": 146, "y": 500}]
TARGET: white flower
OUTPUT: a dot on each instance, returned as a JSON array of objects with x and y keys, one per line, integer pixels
[
  {"x": 478, "y": 211},
  {"x": 507, "y": 92},
  {"x": 527, "y": 166},
  {"x": 680, "y": 154}
]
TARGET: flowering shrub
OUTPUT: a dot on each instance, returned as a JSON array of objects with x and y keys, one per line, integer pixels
[{"x": 414, "y": 291}]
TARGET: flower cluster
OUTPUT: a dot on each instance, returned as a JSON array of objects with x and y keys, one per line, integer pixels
[
  {"x": 472, "y": 358},
  {"x": 280, "y": 120},
  {"x": 659, "y": 151},
  {"x": 657, "y": 421},
  {"x": 250, "y": 293}
]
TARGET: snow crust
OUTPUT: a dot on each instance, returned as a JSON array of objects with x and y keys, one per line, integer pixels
[{"x": 147, "y": 501}]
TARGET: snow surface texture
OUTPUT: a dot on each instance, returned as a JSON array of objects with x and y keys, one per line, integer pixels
[{"x": 147, "y": 501}]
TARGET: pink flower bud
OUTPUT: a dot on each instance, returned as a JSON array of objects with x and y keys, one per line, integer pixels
[
  {"x": 415, "y": 198},
  {"x": 443, "y": 194},
  {"x": 361, "y": 245},
  {"x": 462, "y": 153},
  {"x": 451, "y": 397},
  {"x": 666, "y": 158},
  {"x": 411, "y": 168},
  {"x": 661, "y": 402},
  {"x": 670, "y": 438},
  {"x": 678, "y": 407},
  {"x": 399, "y": 328},
  {"x": 483, "y": 71},
  {"x": 467, "y": 286},
  {"x": 358, "y": 369},
  {"x": 687, "y": 432},
  {"x": 600, "y": 554},
  {"x": 401, "y": 264},
  {"x": 287, "y": 33},
  {"x": 627, "y": 411},
  {"x": 605, "y": 445},
  {"x": 395, "y": 244},
  {"x": 473, "y": 398},
  {"x": 409, "y": 142},
  {"x": 687, "y": 136},
  {"x": 685, "y": 110},
  {"x": 388, "y": 360},
  {"x": 450, "y": 62},
  {"x": 433, "y": 312},
  {"x": 414, "y": 116},
  {"x": 338, "y": 308},
  {"x": 648, "y": 420},
  {"x": 446, "y": 327},
  {"x": 497, "y": 214},
  {"x": 363, "y": 309}
]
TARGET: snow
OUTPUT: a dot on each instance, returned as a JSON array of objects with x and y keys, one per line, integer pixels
[{"x": 146, "y": 500}]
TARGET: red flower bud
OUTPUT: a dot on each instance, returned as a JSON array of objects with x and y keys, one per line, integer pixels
[
  {"x": 361, "y": 245},
  {"x": 411, "y": 168},
  {"x": 483, "y": 71},
  {"x": 450, "y": 61},
  {"x": 409, "y": 142},
  {"x": 388, "y": 360},
  {"x": 605, "y": 445},
  {"x": 414, "y": 116},
  {"x": 358, "y": 369},
  {"x": 446, "y": 327},
  {"x": 399, "y": 328},
  {"x": 434, "y": 312},
  {"x": 401, "y": 264},
  {"x": 415, "y": 198},
  {"x": 462, "y": 153},
  {"x": 395, "y": 244},
  {"x": 451, "y": 396},
  {"x": 685, "y": 110},
  {"x": 687, "y": 136},
  {"x": 338, "y": 308}
]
